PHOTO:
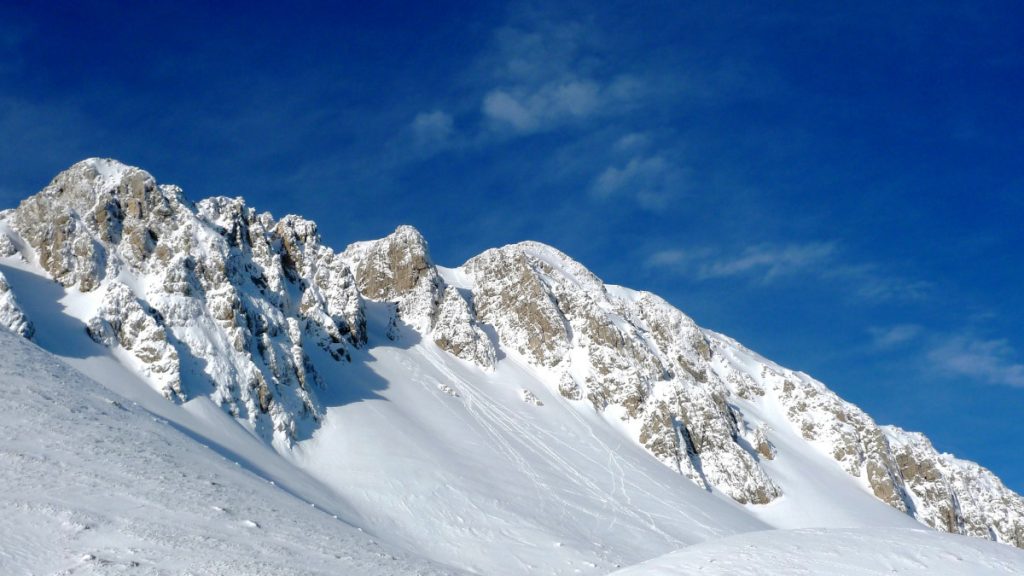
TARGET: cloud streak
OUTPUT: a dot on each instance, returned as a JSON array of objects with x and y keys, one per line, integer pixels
[
  {"x": 546, "y": 75},
  {"x": 432, "y": 129},
  {"x": 651, "y": 180},
  {"x": 891, "y": 337},
  {"x": 993, "y": 361},
  {"x": 765, "y": 263}
]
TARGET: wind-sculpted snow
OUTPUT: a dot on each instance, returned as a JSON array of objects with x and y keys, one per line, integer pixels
[{"x": 216, "y": 300}]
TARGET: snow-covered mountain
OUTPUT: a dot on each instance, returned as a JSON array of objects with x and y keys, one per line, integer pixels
[{"x": 511, "y": 415}]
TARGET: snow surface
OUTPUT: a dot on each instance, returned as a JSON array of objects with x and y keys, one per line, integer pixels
[
  {"x": 863, "y": 552},
  {"x": 94, "y": 483}
]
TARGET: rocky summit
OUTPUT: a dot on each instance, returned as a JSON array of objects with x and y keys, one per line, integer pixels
[{"x": 215, "y": 299}]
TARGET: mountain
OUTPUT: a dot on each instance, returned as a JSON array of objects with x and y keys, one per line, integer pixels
[{"x": 511, "y": 415}]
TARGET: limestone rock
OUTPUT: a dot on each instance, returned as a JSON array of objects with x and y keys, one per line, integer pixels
[
  {"x": 247, "y": 299},
  {"x": 456, "y": 331},
  {"x": 122, "y": 320},
  {"x": 11, "y": 315},
  {"x": 510, "y": 295},
  {"x": 398, "y": 269},
  {"x": 955, "y": 495}
]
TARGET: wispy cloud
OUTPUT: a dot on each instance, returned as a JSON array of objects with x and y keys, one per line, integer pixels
[
  {"x": 872, "y": 284},
  {"x": 769, "y": 262},
  {"x": 545, "y": 75},
  {"x": 889, "y": 337},
  {"x": 651, "y": 181},
  {"x": 994, "y": 361},
  {"x": 432, "y": 129},
  {"x": 766, "y": 262}
]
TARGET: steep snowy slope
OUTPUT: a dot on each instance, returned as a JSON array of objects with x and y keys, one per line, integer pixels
[{"x": 95, "y": 484}]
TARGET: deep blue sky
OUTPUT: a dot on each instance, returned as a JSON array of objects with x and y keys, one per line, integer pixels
[{"x": 842, "y": 189}]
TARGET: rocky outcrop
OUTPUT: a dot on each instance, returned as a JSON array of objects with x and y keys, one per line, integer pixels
[
  {"x": 123, "y": 321},
  {"x": 841, "y": 429},
  {"x": 639, "y": 358},
  {"x": 510, "y": 295},
  {"x": 457, "y": 331},
  {"x": 241, "y": 299},
  {"x": 398, "y": 269},
  {"x": 11, "y": 315},
  {"x": 955, "y": 495}
]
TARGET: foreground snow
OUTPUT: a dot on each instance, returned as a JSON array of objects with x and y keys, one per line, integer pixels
[
  {"x": 863, "y": 552},
  {"x": 93, "y": 484}
]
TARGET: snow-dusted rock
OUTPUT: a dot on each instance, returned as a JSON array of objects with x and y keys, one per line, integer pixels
[
  {"x": 241, "y": 299},
  {"x": 638, "y": 356},
  {"x": 7, "y": 247},
  {"x": 122, "y": 321},
  {"x": 398, "y": 269},
  {"x": 841, "y": 429},
  {"x": 456, "y": 330},
  {"x": 955, "y": 495},
  {"x": 510, "y": 295},
  {"x": 11, "y": 315}
]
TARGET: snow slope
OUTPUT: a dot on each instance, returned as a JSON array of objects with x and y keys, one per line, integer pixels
[
  {"x": 456, "y": 463},
  {"x": 864, "y": 552},
  {"x": 96, "y": 484}
]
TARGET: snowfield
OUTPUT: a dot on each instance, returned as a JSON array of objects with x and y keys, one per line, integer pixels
[
  {"x": 864, "y": 552},
  {"x": 94, "y": 484}
]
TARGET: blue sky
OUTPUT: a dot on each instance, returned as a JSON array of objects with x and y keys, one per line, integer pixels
[{"x": 841, "y": 189}]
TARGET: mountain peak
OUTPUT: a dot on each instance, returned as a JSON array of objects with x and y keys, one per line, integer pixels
[{"x": 216, "y": 300}]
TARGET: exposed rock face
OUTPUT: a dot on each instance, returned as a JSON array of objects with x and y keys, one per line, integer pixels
[
  {"x": 398, "y": 269},
  {"x": 11, "y": 315},
  {"x": 510, "y": 295},
  {"x": 215, "y": 299},
  {"x": 122, "y": 321},
  {"x": 641, "y": 358},
  {"x": 456, "y": 330},
  {"x": 241, "y": 299},
  {"x": 955, "y": 495},
  {"x": 840, "y": 429}
]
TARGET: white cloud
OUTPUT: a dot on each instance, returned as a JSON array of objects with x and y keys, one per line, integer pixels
[
  {"x": 432, "y": 128},
  {"x": 893, "y": 336},
  {"x": 542, "y": 108},
  {"x": 651, "y": 181},
  {"x": 872, "y": 284},
  {"x": 548, "y": 76},
  {"x": 769, "y": 262},
  {"x": 503, "y": 107},
  {"x": 633, "y": 141},
  {"x": 991, "y": 360},
  {"x": 763, "y": 262}
]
